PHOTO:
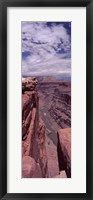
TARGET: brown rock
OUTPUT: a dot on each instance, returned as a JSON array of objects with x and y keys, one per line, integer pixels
[
  {"x": 38, "y": 150},
  {"x": 26, "y": 124},
  {"x": 29, "y": 84},
  {"x": 64, "y": 150},
  {"x": 33, "y": 132},
  {"x": 52, "y": 158},
  {"x": 30, "y": 169},
  {"x": 62, "y": 174}
]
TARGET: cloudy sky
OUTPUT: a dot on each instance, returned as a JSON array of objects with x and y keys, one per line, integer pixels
[{"x": 46, "y": 49}]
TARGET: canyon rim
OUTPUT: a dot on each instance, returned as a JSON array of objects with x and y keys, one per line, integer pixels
[{"x": 46, "y": 99}]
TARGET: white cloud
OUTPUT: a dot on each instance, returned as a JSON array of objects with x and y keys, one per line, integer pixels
[{"x": 45, "y": 43}]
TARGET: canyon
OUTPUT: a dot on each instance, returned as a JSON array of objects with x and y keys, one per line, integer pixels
[{"x": 46, "y": 128}]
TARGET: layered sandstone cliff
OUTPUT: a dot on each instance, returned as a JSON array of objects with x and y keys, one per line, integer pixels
[
  {"x": 55, "y": 101},
  {"x": 33, "y": 133}
]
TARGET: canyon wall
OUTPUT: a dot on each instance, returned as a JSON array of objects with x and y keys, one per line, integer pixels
[
  {"x": 46, "y": 151},
  {"x": 33, "y": 133},
  {"x": 56, "y": 102}
]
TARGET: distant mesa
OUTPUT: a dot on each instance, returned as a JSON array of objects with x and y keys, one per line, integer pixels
[{"x": 49, "y": 78}]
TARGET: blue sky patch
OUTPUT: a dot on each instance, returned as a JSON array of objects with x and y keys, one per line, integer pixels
[{"x": 25, "y": 54}]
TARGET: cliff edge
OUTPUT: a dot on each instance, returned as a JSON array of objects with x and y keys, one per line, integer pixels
[{"x": 34, "y": 159}]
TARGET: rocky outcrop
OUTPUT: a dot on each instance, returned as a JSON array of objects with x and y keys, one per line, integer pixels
[
  {"x": 64, "y": 150},
  {"x": 33, "y": 132},
  {"x": 62, "y": 174},
  {"x": 30, "y": 169},
  {"x": 29, "y": 84}
]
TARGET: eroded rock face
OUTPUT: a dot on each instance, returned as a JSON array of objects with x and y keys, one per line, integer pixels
[
  {"x": 55, "y": 100},
  {"x": 64, "y": 150},
  {"x": 29, "y": 84},
  {"x": 30, "y": 169},
  {"x": 60, "y": 109},
  {"x": 38, "y": 150},
  {"x": 33, "y": 131}
]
